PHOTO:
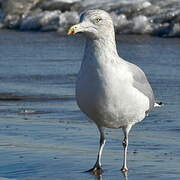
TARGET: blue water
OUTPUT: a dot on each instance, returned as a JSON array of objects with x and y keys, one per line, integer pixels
[{"x": 43, "y": 134}]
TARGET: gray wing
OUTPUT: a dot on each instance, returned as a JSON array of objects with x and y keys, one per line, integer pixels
[{"x": 141, "y": 83}]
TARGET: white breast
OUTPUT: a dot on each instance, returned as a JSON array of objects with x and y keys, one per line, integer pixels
[{"x": 106, "y": 94}]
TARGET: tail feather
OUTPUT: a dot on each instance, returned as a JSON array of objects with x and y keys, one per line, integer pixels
[{"x": 158, "y": 104}]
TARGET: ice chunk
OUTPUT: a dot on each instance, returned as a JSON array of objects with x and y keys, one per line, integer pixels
[
  {"x": 141, "y": 24},
  {"x": 41, "y": 21},
  {"x": 63, "y": 5},
  {"x": 14, "y": 10},
  {"x": 121, "y": 22}
]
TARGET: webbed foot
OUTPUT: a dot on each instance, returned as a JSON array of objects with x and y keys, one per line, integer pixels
[{"x": 123, "y": 169}]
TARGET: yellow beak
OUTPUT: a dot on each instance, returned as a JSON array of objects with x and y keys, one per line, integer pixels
[{"x": 72, "y": 30}]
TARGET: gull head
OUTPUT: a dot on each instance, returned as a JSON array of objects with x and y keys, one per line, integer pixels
[{"x": 95, "y": 24}]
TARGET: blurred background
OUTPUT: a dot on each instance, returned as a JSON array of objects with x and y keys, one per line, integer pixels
[
  {"x": 43, "y": 134},
  {"x": 157, "y": 17}
]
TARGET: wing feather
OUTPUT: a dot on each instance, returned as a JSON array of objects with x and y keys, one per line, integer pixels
[{"x": 141, "y": 83}]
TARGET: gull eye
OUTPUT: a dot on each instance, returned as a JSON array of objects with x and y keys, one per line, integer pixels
[{"x": 98, "y": 20}]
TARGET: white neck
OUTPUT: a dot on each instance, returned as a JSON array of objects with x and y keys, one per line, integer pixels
[{"x": 102, "y": 49}]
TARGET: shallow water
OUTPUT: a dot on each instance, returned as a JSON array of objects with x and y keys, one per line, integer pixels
[{"x": 43, "y": 135}]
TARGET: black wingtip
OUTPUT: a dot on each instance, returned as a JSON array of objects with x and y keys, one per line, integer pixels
[{"x": 158, "y": 104}]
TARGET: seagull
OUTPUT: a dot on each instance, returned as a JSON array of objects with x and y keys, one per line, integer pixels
[{"x": 111, "y": 91}]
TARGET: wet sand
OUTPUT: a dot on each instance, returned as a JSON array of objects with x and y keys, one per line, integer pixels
[{"x": 43, "y": 135}]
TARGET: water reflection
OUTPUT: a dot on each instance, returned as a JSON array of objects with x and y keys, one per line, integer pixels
[
  {"x": 100, "y": 176},
  {"x": 125, "y": 174}
]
